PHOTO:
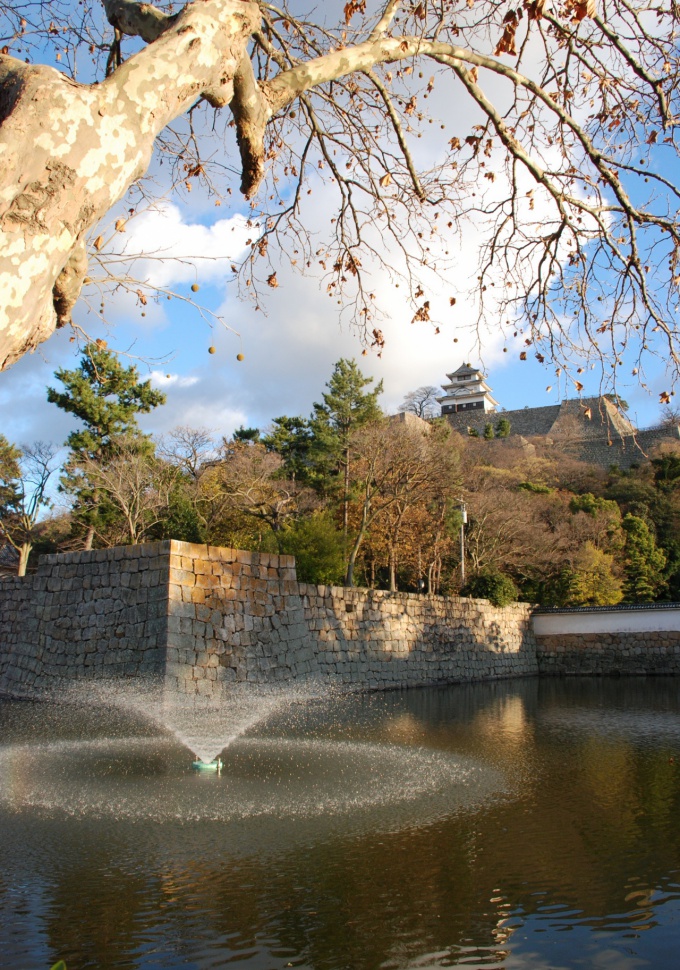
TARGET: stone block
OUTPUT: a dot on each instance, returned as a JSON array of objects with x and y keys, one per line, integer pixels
[{"x": 185, "y": 610}]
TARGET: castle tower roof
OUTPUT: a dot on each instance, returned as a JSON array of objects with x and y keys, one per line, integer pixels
[{"x": 467, "y": 390}]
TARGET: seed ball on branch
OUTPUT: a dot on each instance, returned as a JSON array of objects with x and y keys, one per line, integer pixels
[
  {"x": 211, "y": 350},
  {"x": 239, "y": 357},
  {"x": 195, "y": 287}
]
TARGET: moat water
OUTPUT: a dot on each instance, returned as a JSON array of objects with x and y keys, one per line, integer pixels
[{"x": 524, "y": 824}]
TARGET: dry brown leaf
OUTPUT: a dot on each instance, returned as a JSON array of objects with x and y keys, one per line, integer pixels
[
  {"x": 423, "y": 314},
  {"x": 580, "y": 9},
  {"x": 534, "y": 8},
  {"x": 352, "y": 7},
  {"x": 506, "y": 45}
]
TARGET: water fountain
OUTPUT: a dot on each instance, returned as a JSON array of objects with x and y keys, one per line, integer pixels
[
  {"x": 460, "y": 826},
  {"x": 264, "y": 747}
]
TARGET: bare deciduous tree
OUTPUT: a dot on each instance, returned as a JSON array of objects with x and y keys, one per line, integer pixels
[
  {"x": 136, "y": 483},
  {"x": 562, "y": 149},
  {"x": 422, "y": 402},
  {"x": 423, "y": 466},
  {"x": 189, "y": 449},
  {"x": 19, "y": 521},
  {"x": 250, "y": 481},
  {"x": 396, "y": 466}
]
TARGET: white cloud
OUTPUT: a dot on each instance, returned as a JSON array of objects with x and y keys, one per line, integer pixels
[
  {"x": 164, "y": 250},
  {"x": 163, "y": 381}
]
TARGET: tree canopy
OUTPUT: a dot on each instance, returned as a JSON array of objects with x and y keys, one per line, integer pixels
[
  {"x": 105, "y": 396},
  {"x": 561, "y": 153}
]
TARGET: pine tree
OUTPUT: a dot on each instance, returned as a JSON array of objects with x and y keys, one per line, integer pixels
[
  {"x": 291, "y": 438},
  {"x": 502, "y": 428},
  {"x": 346, "y": 407},
  {"x": 246, "y": 434},
  {"x": 10, "y": 473},
  {"x": 106, "y": 397},
  {"x": 644, "y": 562}
]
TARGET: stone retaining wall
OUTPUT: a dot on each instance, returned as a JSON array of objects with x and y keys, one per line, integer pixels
[
  {"x": 238, "y": 616},
  {"x": 201, "y": 617},
  {"x": 605, "y": 438},
  {"x": 85, "y": 615},
  {"x": 653, "y": 652}
]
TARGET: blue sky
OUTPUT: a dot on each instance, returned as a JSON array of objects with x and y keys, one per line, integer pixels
[{"x": 288, "y": 356}]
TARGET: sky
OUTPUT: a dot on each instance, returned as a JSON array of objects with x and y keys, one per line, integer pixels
[
  {"x": 289, "y": 347},
  {"x": 289, "y": 350}
]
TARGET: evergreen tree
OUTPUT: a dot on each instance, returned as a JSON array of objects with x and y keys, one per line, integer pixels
[
  {"x": 644, "y": 562},
  {"x": 317, "y": 547},
  {"x": 292, "y": 439},
  {"x": 493, "y": 585},
  {"x": 502, "y": 428},
  {"x": 488, "y": 431},
  {"x": 347, "y": 405},
  {"x": 246, "y": 435},
  {"x": 106, "y": 397},
  {"x": 10, "y": 473}
]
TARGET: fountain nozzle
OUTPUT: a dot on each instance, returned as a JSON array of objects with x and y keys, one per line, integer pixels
[{"x": 215, "y": 765}]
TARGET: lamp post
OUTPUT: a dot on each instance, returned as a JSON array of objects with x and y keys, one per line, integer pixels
[{"x": 463, "y": 520}]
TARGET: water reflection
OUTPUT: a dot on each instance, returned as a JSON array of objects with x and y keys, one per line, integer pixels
[{"x": 571, "y": 858}]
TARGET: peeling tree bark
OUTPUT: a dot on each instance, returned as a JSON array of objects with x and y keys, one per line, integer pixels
[{"x": 68, "y": 152}]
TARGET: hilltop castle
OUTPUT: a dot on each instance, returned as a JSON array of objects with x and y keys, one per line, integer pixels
[{"x": 594, "y": 429}]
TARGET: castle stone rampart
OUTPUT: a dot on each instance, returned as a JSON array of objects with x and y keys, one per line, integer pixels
[
  {"x": 590, "y": 429},
  {"x": 199, "y": 617}
]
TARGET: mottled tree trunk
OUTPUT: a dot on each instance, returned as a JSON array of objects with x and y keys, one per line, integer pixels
[
  {"x": 68, "y": 153},
  {"x": 393, "y": 570},
  {"x": 24, "y": 553}
]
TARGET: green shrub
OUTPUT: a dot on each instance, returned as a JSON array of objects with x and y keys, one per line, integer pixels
[
  {"x": 502, "y": 428},
  {"x": 536, "y": 487},
  {"x": 318, "y": 549},
  {"x": 492, "y": 585}
]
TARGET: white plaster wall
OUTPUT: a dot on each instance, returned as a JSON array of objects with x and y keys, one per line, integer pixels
[{"x": 605, "y": 621}]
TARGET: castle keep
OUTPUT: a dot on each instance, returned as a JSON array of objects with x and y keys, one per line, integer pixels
[{"x": 592, "y": 429}]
